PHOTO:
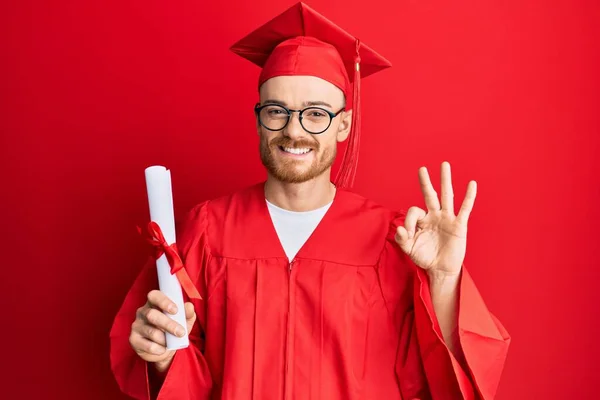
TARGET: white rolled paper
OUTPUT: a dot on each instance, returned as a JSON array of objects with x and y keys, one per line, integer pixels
[{"x": 160, "y": 199}]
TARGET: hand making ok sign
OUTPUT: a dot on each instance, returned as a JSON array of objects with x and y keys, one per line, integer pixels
[{"x": 436, "y": 240}]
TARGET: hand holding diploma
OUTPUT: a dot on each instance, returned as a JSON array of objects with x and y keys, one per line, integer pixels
[{"x": 148, "y": 330}]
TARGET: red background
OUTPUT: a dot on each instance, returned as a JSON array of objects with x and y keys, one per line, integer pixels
[{"x": 93, "y": 92}]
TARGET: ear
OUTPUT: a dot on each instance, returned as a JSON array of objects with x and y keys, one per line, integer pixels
[
  {"x": 258, "y": 126},
  {"x": 345, "y": 125}
]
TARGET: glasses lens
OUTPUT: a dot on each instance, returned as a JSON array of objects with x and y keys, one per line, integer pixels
[
  {"x": 273, "y": 117},
  {"x": 315, "y": 120}
]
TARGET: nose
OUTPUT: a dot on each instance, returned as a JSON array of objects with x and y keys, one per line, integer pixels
[{"x": 294, "y": 129}]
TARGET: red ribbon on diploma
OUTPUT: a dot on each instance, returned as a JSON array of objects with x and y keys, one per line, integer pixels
[{"x": 153, "y": 234}]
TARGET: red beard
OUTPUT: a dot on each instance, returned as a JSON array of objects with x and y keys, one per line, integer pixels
[{"x": 290, "y": 171}]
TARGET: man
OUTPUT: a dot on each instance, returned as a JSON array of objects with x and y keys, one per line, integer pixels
[{"x": 310, "y": 291}]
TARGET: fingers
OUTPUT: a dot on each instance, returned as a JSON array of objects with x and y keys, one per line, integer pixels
[
  {"x": 159, "y": 320},
  {"x": 431, "y": 200},
  {"x": 467, "y": 204},
  {"x": 151, "y": 333},
  {"x": 147, "y": 337},
  {"x": 158, "y": 299},
  {"x": 143, "y": 345},
  {"x": 405, "y": 234},
  {"x": 412, "y": 216},
  {"x": 447, "y": 191}
]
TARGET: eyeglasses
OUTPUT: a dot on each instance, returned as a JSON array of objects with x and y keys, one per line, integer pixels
[{"x": 275, "y": 117}]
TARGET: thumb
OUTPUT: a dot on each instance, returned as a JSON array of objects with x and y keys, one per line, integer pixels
[
  {"x": 190, "y": 315},
  {"x": 403, "y": 239}
]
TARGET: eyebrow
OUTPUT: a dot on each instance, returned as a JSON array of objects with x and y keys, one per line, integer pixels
[{"x": 305, "y": 104}]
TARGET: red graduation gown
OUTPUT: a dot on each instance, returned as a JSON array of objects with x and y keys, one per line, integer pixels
[{"x": 350, "y": 318}]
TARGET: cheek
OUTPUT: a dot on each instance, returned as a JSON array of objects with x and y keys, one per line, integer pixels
[
  {"x": 264, "y": 134},
  {"x": 327, "y": 142}
]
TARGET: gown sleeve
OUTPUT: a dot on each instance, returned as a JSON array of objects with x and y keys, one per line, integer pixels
[
  {"x": 188, "y": 377},
  {"x": 425, "y": 367}
]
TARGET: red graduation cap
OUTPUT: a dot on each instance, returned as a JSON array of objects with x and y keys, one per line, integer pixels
[{"x": 300, "y": 41}]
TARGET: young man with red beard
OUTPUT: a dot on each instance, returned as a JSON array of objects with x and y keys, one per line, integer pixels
[{"x": 310, "y": 291}]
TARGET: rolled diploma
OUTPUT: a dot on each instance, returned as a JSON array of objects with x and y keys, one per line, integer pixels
[{"x": 160, "y": 199}]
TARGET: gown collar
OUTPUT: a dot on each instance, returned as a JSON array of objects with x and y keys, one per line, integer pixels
[{"x": 319, "y": 237}]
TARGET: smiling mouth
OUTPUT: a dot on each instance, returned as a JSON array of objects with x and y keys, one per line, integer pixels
[{"x": 295, "y": 151}]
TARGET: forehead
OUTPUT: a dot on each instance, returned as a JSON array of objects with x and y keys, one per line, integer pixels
[{"x": 296, "y": 89}]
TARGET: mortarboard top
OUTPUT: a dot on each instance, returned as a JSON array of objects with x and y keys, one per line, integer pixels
[{"x": 300, "y": 41}]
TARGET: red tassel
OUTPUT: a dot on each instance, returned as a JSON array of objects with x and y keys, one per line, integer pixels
[{"x": 347, "y": 171}]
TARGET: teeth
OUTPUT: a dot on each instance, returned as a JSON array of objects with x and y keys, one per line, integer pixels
[{"x": 296, "y": 151}]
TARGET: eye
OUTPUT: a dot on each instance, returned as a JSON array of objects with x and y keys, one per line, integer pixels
[
  {"x": 275, "y": 111},
  {"x": 316, "y": 114}
]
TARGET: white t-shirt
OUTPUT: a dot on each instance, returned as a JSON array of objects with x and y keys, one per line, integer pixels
[{"x": 295, "y": 227}]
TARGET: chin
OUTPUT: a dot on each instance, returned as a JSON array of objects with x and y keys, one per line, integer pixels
[
  {"x": 293, "y": 171},
  {"x": 297, "y": 175},
  {"x": 288, "y": 176}
]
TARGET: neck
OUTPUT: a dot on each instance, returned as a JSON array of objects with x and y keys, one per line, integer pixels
[{"x": 305, "y": 196}]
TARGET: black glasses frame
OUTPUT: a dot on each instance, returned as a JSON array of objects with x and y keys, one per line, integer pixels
[{"x": 258, "y": 108}]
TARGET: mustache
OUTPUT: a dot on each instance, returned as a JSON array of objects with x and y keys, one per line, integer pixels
[{"x": 283, "y": 141}]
